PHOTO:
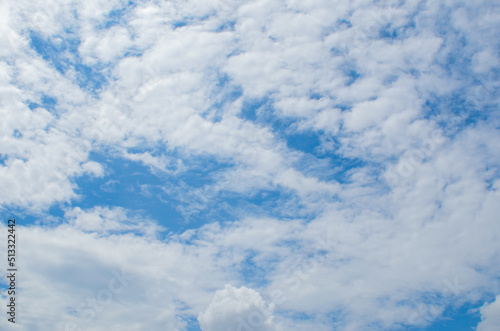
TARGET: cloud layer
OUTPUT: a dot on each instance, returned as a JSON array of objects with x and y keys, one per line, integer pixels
[{"x": 263, "y": 165}]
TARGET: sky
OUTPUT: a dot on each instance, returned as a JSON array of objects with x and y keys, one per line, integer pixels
[{"x": 261, "y": 165}]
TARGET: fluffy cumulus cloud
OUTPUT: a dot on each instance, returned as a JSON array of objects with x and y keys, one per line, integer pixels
[
  {"x": 237, "y": 309},
  {"x": 251, "y": 165}
]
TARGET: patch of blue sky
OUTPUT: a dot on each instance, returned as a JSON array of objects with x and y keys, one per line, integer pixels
[
  {"x": 353, "y": 76},
  {"x": 189, "y": 193},
  {"x": 133, "y": 52},
  {"x": 21, "y": 215},
  {"x": 454, "y": 55},
  {"x": 188, "y": 20},
  {"x": 197, "y": 211},
  {"x": 346, "y": 24},
  {"x": 192, "y": 324},
  {"x": 262, "y": 112},
  {"x": 343, "y": 107},
  {"x": 45, "y": 101},
  {"x": 330, "y": 29},
  {"x": 62, "y": 53},
  {"x": 389, "y": 79},
  {"x": 391, "y": 32},
  {"x": 324, "y": 164},
  {"x": 335, "y": 51},
  {"x": 340, "y": 169},
  {"x": 200, "y": 169},
  {"x": 305, "y": 141},
  {"x": 129, "y": 185},
  {"x": 224, "y": 92},
  {"x": 316, "y": 162},
  {"x": 177, "y": 201},
  {"x": 302, "y": 316},
  {"x": 252, "y": 274},
  {"x": 278, "y": 203},
  {"x": 251, "y": 107},
  {"x": 57, "y": 210},
  {"x": 464, "y": 318},
  {"x": 118, "y": 16},
  {"x": 17, "y": 134},
  {"x": 340, "y": 24},
  {"x": 179, "y": 24},
  {"x": 315, "y": 95},
  {"x": 335, "y": 318},
  {"x": 350, "y": 72},
  {"x": 453, "y": 112},
  {"x": 414, "y": 72},
  {"x": 457, "y": 60},
  {"x": 224, "y": 82},
  {"x": 226, "y": 206},
  {"x": 183, "y": 313},
  {"x": 201, "y": 174},
  {"x": 443, "y": 22},
  {"x": 28, "y": 217},
  {"x": 50, "y": 51},
  {"x": 226, "y": 26}
]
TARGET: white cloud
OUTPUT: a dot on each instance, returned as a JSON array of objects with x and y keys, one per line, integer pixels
[
  {"x": 108, "y": 46},
  {"x": 68, "y": 273},
  {"x": 105, "y": 221},
  {"x": 237, "y": 309},
  {"x": 490, "y": 316},
  {"x": 368, "y": 250}
]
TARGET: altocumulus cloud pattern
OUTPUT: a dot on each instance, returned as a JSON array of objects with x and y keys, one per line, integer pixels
[{"x": 231, "y": 165}]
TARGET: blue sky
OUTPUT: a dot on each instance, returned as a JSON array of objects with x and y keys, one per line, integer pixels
[{"x": 265, "y": 165}]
